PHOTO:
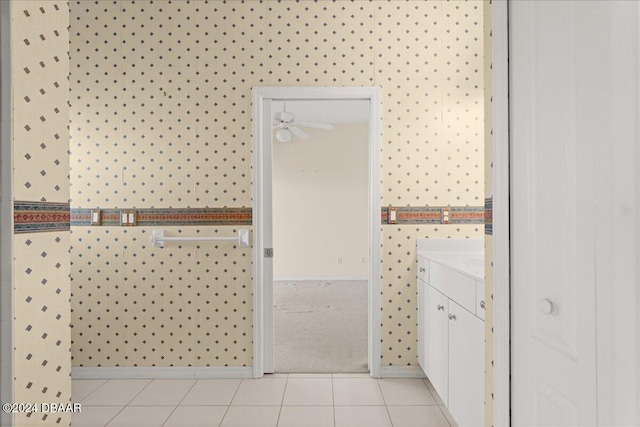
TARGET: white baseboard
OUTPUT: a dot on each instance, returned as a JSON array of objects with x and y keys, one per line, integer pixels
[
  {"x": 401, "y": 372},
  {"x": 317, "y": 278},
  {"x": 154, "y": 372}
]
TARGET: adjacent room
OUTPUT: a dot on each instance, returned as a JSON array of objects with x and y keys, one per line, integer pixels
[{"x": 320, "y": 233}]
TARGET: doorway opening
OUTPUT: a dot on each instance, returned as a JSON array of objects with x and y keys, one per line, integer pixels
[
  {"x": 266, "y": 203},
  {"x": 319, "y": 195}
]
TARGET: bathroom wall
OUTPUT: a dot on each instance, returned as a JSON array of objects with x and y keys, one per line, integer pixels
[
  {"x": 161, "y": 118},
  {"x": 320, "y": 204},
  {"x": 40, "y": 66}
]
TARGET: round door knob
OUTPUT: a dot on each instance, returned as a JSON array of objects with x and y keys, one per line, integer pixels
[
  {"x": 440, "y": 307},
  {"x": 452, "y": 317},
  {"x": 482, "y": 305},
  {"x": 545, "y": 306},
  {"x": 421, "y": 269}
]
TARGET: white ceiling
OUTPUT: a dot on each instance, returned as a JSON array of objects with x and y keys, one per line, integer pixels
[{"x": 326, "y": 111}]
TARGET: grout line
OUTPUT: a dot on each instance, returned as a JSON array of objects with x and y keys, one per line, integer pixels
[
  {"x": 96, "y": 389},
  {"x": 333, "y": 401},
  {"x": 143, "y": 389},
  {"x": 230, "y": 402},
  {"x": 181, "y": 400},
  {"x": 126, "y": 405},
  {"x": 112, "y": 418},
  {"x": 282, "y": 401},
  {"x": 436, "y": 399},
  {"x": 444, "y": 415},
  {"x": 385, "y": 401}
]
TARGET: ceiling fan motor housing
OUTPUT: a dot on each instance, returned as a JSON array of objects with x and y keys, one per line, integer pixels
[{"x": 284, "y": 117}]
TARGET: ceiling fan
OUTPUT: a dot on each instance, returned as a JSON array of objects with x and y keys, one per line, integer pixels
[{"x": 286, "y": 124}]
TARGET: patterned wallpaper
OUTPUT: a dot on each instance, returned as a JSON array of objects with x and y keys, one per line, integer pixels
[
  {"x": 187, "y": 304},
  {"x": 41, "y": 324},
  {"x": 161, "y": 117},
  {"x": 41, "y": 90},
  {"x": 40, "y": 63}
]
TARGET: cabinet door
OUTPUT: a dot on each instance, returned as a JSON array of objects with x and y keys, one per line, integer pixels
[
  {"x": 435, "y": 340},
  {"x": 466, "y": 367}
]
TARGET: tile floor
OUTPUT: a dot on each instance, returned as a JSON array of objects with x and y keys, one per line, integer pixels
[{"x": 295, "y": 400}]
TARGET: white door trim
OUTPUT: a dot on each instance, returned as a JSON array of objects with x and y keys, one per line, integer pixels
[
  {"x": 501, "y": 258},
  {"x": 262, "y": 318}
]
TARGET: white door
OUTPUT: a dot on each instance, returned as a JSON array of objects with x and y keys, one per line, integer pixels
[{"x": 552, "y": 214}]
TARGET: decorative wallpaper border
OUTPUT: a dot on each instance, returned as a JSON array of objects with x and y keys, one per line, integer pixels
[
  {"x": 243, "y": 216},
  {"x": 434, "y": 214},
  {"x": 33, "y": 217},
  {"x": 167, "y": 216},
  {"x": 488, "y": 216}
]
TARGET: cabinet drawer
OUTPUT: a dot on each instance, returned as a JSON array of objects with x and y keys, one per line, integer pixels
[
  {"x": 423, "y": 269},
  {"x": 458, "y": 287},
  {"x": 480, "y": 300}
]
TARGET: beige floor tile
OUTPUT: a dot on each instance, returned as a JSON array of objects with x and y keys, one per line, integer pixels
[
  {"x": 362, "y": 416},
  {"x": 163, "y": 392},
  {"x": 310, "y": 375},
  {"x": 196, "y": 416},
  {"x": 417, "y": 416},
  {"x": 448, "y": 416},
  {"x": 405, "y": 391},
  {"x": 277, "y": 375},
  {"x": 308, "y": 391},
  {"x": 433, "y": 392},
  {"x": 251, "y": 416},
  {"x": 116, "y": 392},
  {"x": 263, "y": 391},
  {"x": 94, "y": 416},
  {"x": 142, "y": 416},
  {"x": 354, "y": 375},
  {"x": 306, "y": 416},
  {"x": 357, "y": 391},
  {"x": 212, "y": 392},
  {"x": 83, "y": 388}
]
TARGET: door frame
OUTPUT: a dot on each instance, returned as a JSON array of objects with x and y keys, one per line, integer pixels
[
  {"x": 501, "y": 218},
  {"x": 262, "y": 225}
]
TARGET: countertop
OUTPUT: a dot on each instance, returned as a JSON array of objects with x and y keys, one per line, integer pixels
[
  {"x": 466, "y": 256},
  {"x": 468, "y": 263}
]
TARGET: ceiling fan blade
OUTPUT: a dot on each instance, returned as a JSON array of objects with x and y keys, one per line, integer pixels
[
  {"x": 299, "y": 132},
  {"x": 315, "y": 125}
]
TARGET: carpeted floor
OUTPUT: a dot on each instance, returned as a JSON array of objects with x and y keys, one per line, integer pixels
[{"x": 320, "y": 327}]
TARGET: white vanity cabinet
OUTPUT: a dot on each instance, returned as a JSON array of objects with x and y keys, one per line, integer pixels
[
  {"x": 434, "y": 324},
  {"x": 466, "y": 366},
  {"x": 451, "y": 337}
]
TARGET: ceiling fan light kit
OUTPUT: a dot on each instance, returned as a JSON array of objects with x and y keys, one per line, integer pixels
[{"x": 283, "y": 135}]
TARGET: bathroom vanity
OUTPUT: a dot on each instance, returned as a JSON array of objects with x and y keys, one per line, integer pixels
[{"x": 451, "y": 323}]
